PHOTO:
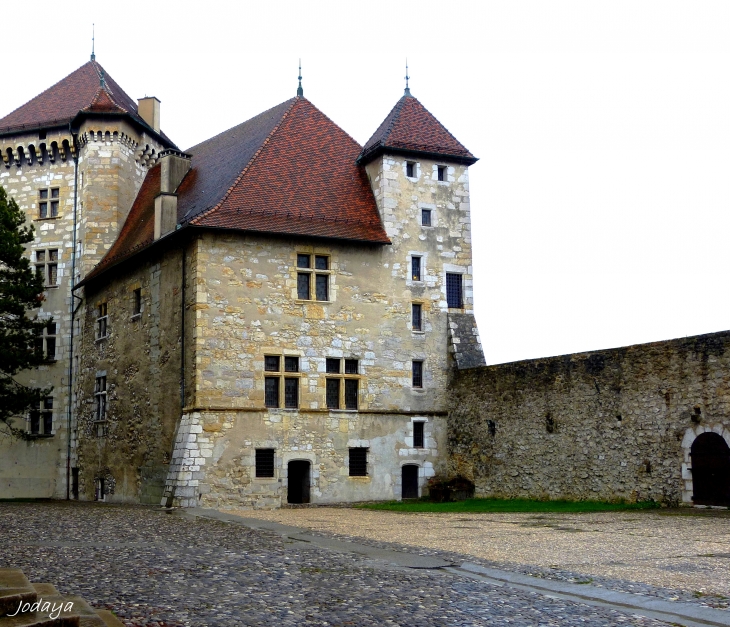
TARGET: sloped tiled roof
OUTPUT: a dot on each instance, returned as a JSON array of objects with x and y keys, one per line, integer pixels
[
  {"x": 287, "y": 171},
  {"x": 61, "y": 103},
  {"x": 410, "y": 127}
]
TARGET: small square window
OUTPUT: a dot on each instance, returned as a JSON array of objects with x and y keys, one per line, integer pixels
[
  {"x": 416, "y": 268},
  {"x": 333, "y": 366},
  {"x": 425, "y": 217},
  {"x": 264, "y": 462},
  {"x": 350, "y": 366},
  {"x": 321, "y": 262},
  {"x": 441, "y": 172},
  {"x": 416, "y": 317},
  {"x": 417, "y": 374},
  {"x": 291, "y": 364},
  {"x": 410, "y": 169},
  {"x": 303, "y": 261},
  {"x": 333, "y": 393},
  {"x": 359, "y": 462},
  {"x": 418, "y": 434},
  {"x": 271, "y": 363},
  {"x": 271, "y": 391}
]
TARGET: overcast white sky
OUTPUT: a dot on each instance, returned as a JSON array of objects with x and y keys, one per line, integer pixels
[{"x": 600, "y": 201}]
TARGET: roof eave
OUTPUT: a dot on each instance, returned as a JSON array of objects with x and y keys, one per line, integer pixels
[
  {"x": 136, "y": 121},
  {"x": 366, "y": 157},
  {"x": 22, "y": 129}
]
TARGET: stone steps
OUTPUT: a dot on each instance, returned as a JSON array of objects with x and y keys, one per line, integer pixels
[{"x": 15, "y": 589}]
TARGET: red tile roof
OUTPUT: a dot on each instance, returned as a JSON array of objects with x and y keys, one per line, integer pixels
[
  {"x": 411, "y": 128},
  {"x": 303, "y": 180},
  {"x": 61, "y": 103},
  {"x": 287, "y": 171}
]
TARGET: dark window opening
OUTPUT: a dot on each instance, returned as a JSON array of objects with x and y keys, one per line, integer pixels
[
  {"x": 425, "y": 217},
  {"x": 491, "y": 428},
  {"x": 359, "y": 462},
  {"x": 441, "y": 172},
  {"x": 416, "y": 268},
  {"x": 333, "y": 393},
  {"x": 418, "y": 434},
  {"x": 51, "y": 348},
  {"x": 101, "y": 321},
  {"x": 291, "y": 393},
  {"x": 350, "y": 366},
  {"x": 303, "y": 261},
  {"x": 264, "y": 462},
  {"x": 137, "y": 302},
  {"x": 416, "y": 319},
  {"x": 322, "y": 286},
  {"x": 333, "y": 366},
  {"x": 303, "y": 285},
  {"x": 271, "y": 363},
  {"x": 410, "y": 169},
  {"x": 417, "y": 374},
  {"x": 453, "y": 291},
  {"x": 271, "y": 391},
  {"x": 351, "y": 386},
  {"x": 291, "y": 364},
  {"x": 100, "y": 398},
  {"x": 321, "y": 262}
]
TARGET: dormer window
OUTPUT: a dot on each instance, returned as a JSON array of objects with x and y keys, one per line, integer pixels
[{"x": 441, "y": 172}]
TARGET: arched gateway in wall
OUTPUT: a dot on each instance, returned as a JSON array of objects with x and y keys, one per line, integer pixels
[{"x": 706, "y": 471}]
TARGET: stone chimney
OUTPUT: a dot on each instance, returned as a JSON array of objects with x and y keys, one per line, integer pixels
[
  {"x": 174, "y": 165},
  {"x": 149, "y": 110}
]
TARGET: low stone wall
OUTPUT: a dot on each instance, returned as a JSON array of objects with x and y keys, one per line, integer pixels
[{"x": 611, "y": 424}]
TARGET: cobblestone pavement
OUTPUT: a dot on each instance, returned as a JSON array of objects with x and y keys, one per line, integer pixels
[
  {"x": 156, "y": 569},
  {"x": 681, "y": 554}
]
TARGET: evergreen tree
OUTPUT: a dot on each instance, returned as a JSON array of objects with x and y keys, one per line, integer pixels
[{"x": 21, "y": 290}]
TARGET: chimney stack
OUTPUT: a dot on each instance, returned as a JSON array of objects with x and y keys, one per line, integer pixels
[
  {"x": 148, "y": 109},
  {"x": 174, "y": 165}
]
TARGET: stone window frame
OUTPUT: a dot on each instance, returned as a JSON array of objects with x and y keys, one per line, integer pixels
[
  {"x": 259, "y": 462},
  {"x": 416, "y": 169},
  {"x": 421, "y": 329},
  {"x": 360, "y": 467},
  {"x": 102, "y": 321},
  {"x": 441, "y": 173},
  {"x": 48, "y": 341},
  {"x": 46, "y": 264},
  {"x": 314, "y": 273},
  {"x": 342, "y": 377},
  {"x": 417, "y": 371},
  {"x": 425, "y": 211},
  {"x": 41, "y": 414},
  {"x": 49, "y": 204},
  {"x": 281, "y": 375},
  {"x": 419, "y": 433},
  {"x": 101, "y": 404},
  {"x": 460, "y": 304},
  {"x": 137, "y": 302}
]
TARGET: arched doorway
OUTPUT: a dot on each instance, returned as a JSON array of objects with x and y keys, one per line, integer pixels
[
  {"x": 409, "y": 477},
  {"x": 710, "y": 470},
  {"x": 298, "y": 473}
]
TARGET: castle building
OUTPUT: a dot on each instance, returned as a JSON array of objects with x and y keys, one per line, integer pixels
[{"x": 270, "y": 316}]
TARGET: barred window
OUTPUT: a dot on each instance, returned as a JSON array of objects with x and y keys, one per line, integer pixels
[
  {"x": 416, "y": 268},
  {"x": 333, "y": 393},
  {"x": 291, "y": 364},
  {"x": 425, "y": 217},
  {"x": 418, "y": 434},
  {"x": 417, "y": 374},
  {"x": 416, "y": 318},
  {"x": 350, "y": 366},
  {"x": 303, "y": 281},
  {"x": 271, "y": 363},
  {"x": 333, "y": 366},
  {"x": 453, "y": 290},
  {"x": 351, "y": 387},
  {"x": 273, "y": 385},
  {"x": 271, "y": 391},
  {"x": 359, "y": 462},
  {"x": 264, "y": 462},
  {"x": 291, "y": 393}
]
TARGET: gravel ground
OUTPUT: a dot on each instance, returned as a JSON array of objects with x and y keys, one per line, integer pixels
[
  {"x": 673, "y": 554},
  {"x": 154, "y": 569}
]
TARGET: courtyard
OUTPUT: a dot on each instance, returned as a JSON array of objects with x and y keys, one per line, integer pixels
[{"x": 343, "y": 566}]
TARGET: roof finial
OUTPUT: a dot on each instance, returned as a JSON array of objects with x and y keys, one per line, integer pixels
[
  {"x": 93, "y": 56},
  {"x": 407, "y": 91},
  {"x": 300, "y": 91},
  {"x": 102, "y": 81}
]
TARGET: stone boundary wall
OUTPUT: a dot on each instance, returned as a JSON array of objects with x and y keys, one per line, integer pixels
[{"x": 610, "y": 424}]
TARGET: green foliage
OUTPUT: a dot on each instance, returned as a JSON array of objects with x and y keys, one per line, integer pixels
[
  {"x": 21, "y": 290},
  {"x": 477, "y": 506}
]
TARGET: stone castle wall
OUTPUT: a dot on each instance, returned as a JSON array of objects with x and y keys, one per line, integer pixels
[{"x": 612, "y": 424}]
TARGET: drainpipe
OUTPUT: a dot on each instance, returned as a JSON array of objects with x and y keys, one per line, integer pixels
[
  {"x": 182, "y": 331},
  {"x": 72, "y": 313}
]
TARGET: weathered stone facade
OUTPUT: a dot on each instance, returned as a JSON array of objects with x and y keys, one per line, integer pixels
[{"x": 612, "y": 424}]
